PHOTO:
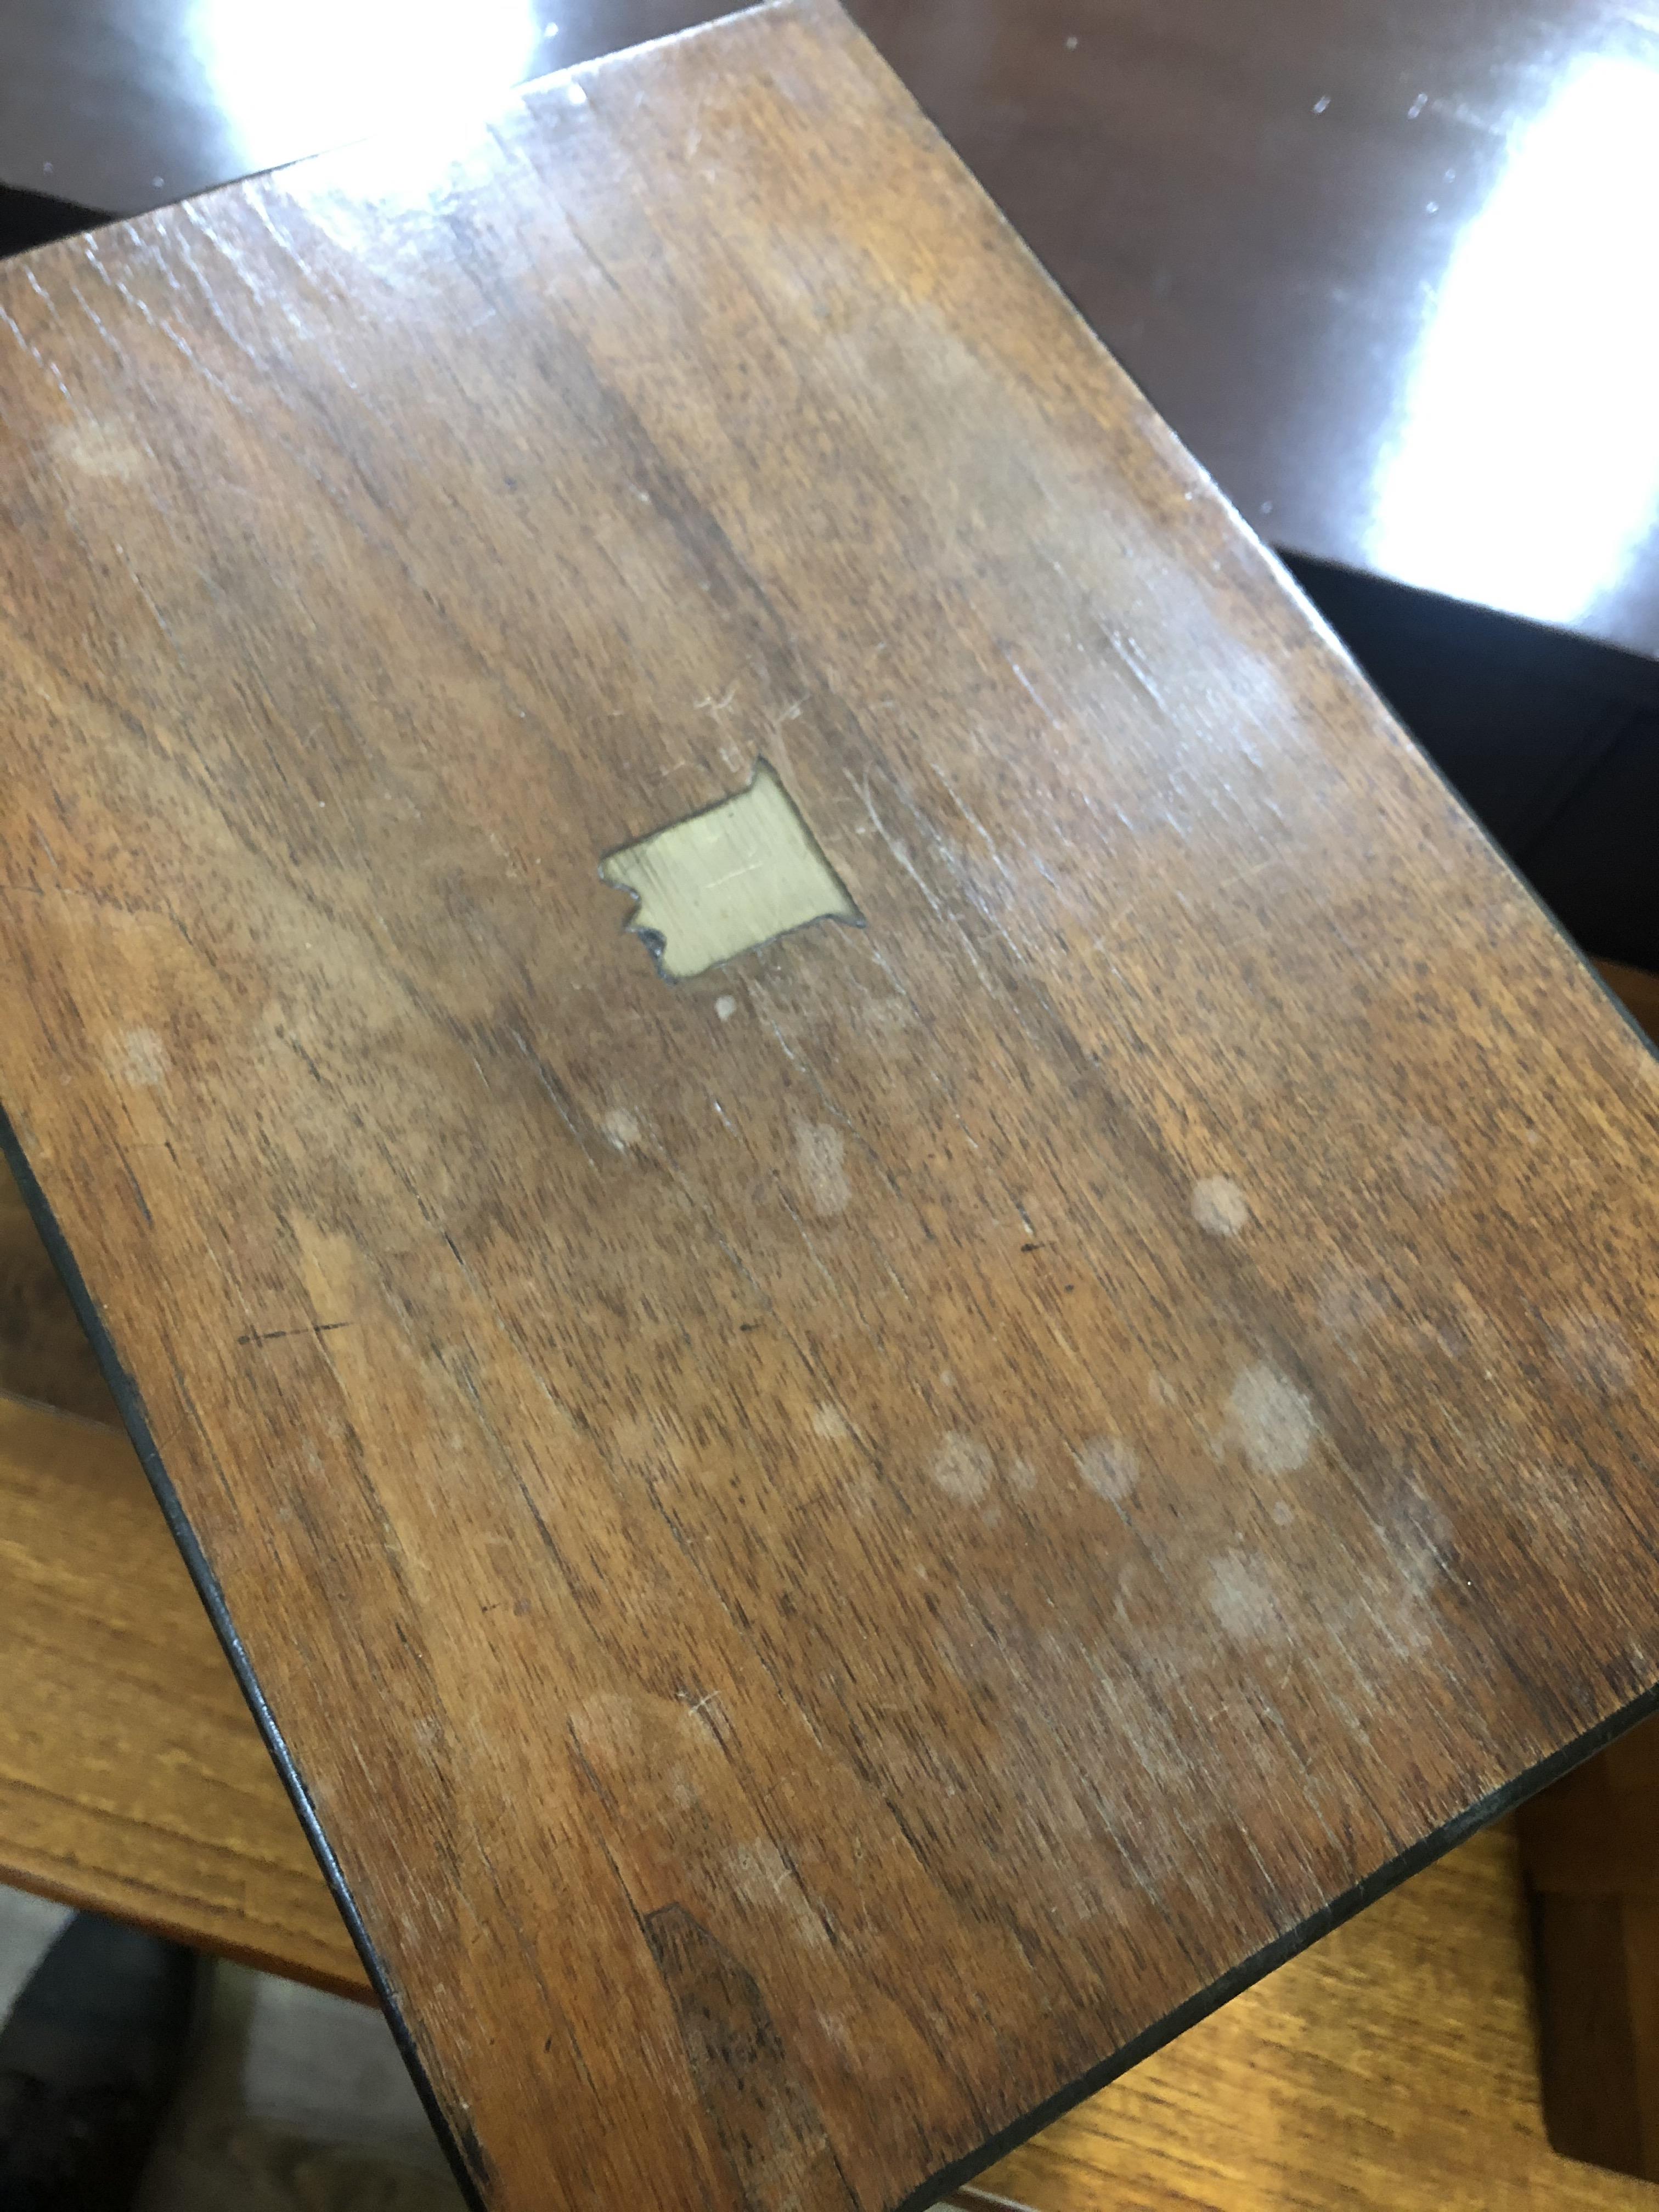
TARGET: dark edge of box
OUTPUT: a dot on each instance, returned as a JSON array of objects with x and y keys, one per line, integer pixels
[{"x": 471, "y": 2170}]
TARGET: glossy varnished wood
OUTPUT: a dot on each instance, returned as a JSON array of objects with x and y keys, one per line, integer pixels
[
  {"x": 837, "y": 1546},
  {"x": 132, "y": 1779},
  {"x": 1385, "y": 270}
]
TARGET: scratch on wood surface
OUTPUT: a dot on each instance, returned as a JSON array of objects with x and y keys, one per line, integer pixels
[{"x": 282, "y": 1335}]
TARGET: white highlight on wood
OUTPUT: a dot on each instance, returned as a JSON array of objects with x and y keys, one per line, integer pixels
[
  {"x": 138, "y": 1059},
  {"x": 1241, "y": 1599},
  {"x": 1109, "y": 1467},
  {"x": 821, "y": 1156},
  {"x": 963, "y": 1467},
  {"x": 98, "y": 449},
  {"x": 1219, "y": 1206},
  {"x": 1273, "y": 1422},
  {"x": 1594, "y": 1354}
]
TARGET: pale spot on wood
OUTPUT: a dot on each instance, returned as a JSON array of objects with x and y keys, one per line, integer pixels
[
  {"x": 97, "y": 449},
  {"x": 620, "y": 1127},
  {"x": 821, "y": 1156},
  {"x": 728, "y": 880},
  {"x": 1421, "y": 1540},
  {"x": 829, "y": 1423},
  {"x": 1450, "y": 1341},
  {"x": 138, "y": 1059},
  {"x": 963, "y": 1467},
  {"x": 1219, "y": 1206},
  {"x": 1273, "y": 1422},
  {"x": 1594, "y": 1354},
  {"x": 1350, "y": 1305},
  {"x": 726, "y": 1006},
  {"x": 1109, "y": 1467},
  {"x": 1022, "y": 1476},
  {"x": 1241, "y": 1600}
]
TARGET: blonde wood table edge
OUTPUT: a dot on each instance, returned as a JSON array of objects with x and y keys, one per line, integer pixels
[
  {"x": 131, "y": 1783},
  {"x": 206, "y": 1584},
  {"x": 178, "y": 1927}
]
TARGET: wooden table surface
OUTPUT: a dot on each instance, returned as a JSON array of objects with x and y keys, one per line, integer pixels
[
  {"x": 132, "y": 1781},
  {"x": 838, "y": 1548},
  {"x": 1387, "y": 271}
]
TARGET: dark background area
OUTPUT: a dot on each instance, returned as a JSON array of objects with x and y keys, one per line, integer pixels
[
  {"x": 1552, "y": 740},
  {"x": 31, "y": 218}
]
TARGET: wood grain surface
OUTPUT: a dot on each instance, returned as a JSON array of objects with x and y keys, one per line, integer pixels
[
  {"x": 1305, "y": 226},
  {"x": 839, "y": 1548},
  {"x": 1392, "y": 2066},
  {"x": 132, "y": 1779}
]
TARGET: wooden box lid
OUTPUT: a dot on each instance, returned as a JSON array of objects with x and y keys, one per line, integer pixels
[{"x": 834, "y": 1547}]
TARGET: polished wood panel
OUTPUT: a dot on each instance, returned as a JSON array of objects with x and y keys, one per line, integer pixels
[
  {"x": 135, "y": 104},
  {"x": 132, "y": 1779},
  {"x": 851, "y": 1541},
  {"x": 1393, "y": 2064},
  {"x": 1385, "y": 270}
]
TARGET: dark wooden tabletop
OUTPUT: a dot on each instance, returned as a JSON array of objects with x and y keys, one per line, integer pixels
[
  {"x": 835, "y": 1547},
  {"x": 1389, "y": 271}
]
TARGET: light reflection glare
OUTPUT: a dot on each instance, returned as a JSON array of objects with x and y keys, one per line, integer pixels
[
  {"x": 311, "y": 73},
  {"x": 1527, "y": 465}
]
